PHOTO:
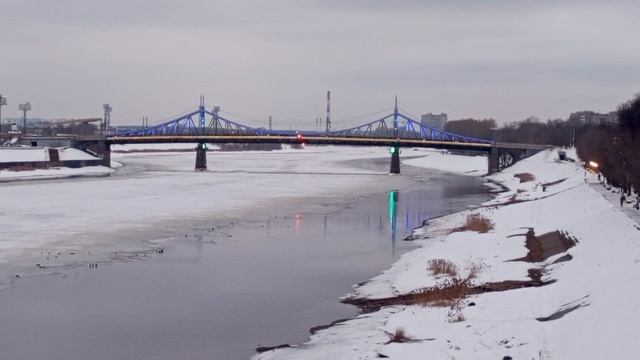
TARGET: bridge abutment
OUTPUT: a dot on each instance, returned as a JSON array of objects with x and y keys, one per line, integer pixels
[
  {"x": 395, "y": 160},
  {"x": 201, "y": 157},
  {"x": 100, "y": 148}
]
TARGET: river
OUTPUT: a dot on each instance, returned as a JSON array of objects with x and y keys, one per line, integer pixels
[{"x": 226, "y": 288}]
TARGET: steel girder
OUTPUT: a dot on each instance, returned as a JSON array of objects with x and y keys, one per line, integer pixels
[
  {"x": 221, "y": 126},
  {"x": 185, "y": 125},
  {"x": 407, "y": 129}
]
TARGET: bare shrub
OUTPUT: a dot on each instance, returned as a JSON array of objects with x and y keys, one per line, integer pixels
[
  {"x": 398, "y": 337},
  {"x": 524, "y": 177},
  {"x": 474, "y": 268},
  {"x": 478, "y": 223},
  {"x": 442, "y": 267},
  {"x": 455, "y": 313}
]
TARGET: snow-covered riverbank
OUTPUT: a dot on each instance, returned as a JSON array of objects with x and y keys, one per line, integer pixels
[
  {"x": 553, "y": 278},
  {"x": 29, "y": 154}
]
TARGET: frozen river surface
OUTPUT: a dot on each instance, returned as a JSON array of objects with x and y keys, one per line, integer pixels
[{"x": 225, "y": 287}]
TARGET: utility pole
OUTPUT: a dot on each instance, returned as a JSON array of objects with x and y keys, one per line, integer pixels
[
  {"x": 270, "y": 123},
  {"x": 3, "y": 101},
  {"x": 328, "y": 122},
  {"x": 24, "y": 108}
]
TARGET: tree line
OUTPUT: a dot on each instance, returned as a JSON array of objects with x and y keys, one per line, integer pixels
[
  {"x": 614, "y": 147},
  {"x": 557, "y": 132}
]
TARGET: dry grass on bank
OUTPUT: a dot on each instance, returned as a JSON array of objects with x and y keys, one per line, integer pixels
[
  {"x": 479, "y": 223},
  {"x": 446, "y": 293},
  {"x": 525, "y": 177},
  {"x": 442, "y": 267}
]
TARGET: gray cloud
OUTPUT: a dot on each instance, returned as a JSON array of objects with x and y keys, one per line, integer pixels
[{"x": 502, "y": 59}]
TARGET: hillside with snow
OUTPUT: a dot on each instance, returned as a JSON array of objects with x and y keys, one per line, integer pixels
[{"x": 545, "y": 270}]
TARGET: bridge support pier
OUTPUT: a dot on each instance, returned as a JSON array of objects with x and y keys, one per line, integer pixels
[
  {"x": 103, "y": 149},
  {"x": 201, "y": 157},
  {"x": 395, "y": 160},
  {"x": 493, "y": 160}
]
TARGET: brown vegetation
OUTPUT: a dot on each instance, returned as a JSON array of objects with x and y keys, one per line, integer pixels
[
  {"x": 451, "y": 292},
  {"x": 482, "y": 129},
  {"x": 474, "y": 268},
  {"x": 446, "y": 293},
  {"x": 399, "y": 336},
  {"x": 475, "y": 222},
  {"x": 524, "y": 177},
  {"x": 442, "y": 267}
]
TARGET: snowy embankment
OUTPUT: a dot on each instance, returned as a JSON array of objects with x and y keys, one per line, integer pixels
[
  {"x": 11, "y": 155},
  {"x": 550, "y": 275}
]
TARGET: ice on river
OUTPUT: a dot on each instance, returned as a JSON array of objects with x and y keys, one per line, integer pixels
[{"x": 154, "y": 190}]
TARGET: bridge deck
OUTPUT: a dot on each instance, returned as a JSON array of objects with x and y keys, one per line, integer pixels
[{"x": 316, "y": 140}]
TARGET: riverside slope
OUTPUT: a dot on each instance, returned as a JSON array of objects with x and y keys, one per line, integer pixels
[{"x": 589, "y": 309}]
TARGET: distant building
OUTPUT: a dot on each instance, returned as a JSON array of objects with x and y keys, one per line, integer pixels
[
  {"x": 436, "y": 121},
  {"x": 594, "y": 118}
]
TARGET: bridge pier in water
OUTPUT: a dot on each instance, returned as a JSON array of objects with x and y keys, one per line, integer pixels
[
  {"x": 201, "y": 157},
  {"x": 395, "y": 159},
  {"x": 105, "y": 150},
  {"x": 99, "y": 147}
]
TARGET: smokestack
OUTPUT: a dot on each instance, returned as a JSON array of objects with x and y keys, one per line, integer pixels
[{"x": 328, "y": 122}]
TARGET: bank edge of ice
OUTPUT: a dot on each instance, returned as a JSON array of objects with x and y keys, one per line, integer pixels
[
  {"x": 42, "y": 154},
  {"x": 599, "y": 282}
]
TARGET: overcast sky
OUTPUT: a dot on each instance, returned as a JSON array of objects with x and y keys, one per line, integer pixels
[{"x": 501, "y": 59}]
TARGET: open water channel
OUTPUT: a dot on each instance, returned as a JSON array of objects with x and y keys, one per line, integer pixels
[{"x": 219, "y": 296}]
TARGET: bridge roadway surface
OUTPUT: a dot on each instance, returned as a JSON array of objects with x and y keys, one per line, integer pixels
[
  {"x": 310, "y": 140},
  {"x": 500, "y": 155}
]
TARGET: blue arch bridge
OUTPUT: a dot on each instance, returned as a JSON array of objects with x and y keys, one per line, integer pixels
[{"x": 394, "y": 130}]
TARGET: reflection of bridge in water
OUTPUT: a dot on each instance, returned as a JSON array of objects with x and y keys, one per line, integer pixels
[{"x": 394, "y": 130}]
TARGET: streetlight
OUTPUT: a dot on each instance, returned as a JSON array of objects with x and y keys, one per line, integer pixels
[
  {"x": 3, "y": 101},
  {"x": 24, "y": 108}
]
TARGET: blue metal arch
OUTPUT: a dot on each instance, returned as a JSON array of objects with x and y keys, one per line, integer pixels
[{"x": 220, "y": 126}]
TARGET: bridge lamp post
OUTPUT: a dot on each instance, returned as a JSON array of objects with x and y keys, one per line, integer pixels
[
  {"x": 3, "y": 101},
  {"x": 24, "y": 108}
]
